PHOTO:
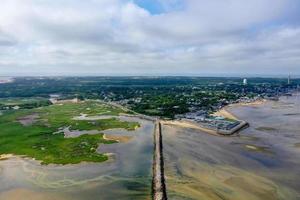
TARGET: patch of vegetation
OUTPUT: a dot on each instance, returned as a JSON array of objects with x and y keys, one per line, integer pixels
[
  {"x": 22, "y": 103},
  {"x": 39, "y": 141}
]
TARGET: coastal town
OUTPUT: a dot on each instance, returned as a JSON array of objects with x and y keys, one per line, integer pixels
[{"x": 192, "y": 101}]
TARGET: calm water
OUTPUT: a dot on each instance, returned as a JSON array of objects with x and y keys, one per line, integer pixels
[
  {"x": 262, "y": 162},
  {"x": 126, "y": 176}
]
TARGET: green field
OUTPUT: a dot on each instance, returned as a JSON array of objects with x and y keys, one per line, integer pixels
[
  {"x": 35, "y": 137},
  {"x": 23, "y": 103},
  {"x": 20, "y": 101}
]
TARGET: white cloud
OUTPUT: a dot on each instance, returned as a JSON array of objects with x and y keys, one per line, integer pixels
[{"x": 113, "y": 36}]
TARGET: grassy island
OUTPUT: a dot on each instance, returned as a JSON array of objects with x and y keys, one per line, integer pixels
[{"x": 37, "y": 133}]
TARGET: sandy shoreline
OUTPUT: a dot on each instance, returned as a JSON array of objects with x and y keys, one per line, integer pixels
[
  {"x": 254, "y": 103},
  {"x": 186, "y": 124},
  {"x": 6, "y": 156},
  {"x": 118, "y": 138},
  {"x": 223, "y": 112}
]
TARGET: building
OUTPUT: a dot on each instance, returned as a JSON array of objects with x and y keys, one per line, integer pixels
[{"x": 245, "y": 82}]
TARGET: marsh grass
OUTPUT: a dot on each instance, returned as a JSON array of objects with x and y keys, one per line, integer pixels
[{"x": 38, "y": 140}]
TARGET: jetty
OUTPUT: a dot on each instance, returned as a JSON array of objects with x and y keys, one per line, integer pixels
[{"x": 158, "y": 182}]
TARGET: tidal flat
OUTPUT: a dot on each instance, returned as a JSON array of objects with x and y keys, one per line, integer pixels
[
  {"x": 123, "y": 176},
  {"x": 261, "y": 162}
]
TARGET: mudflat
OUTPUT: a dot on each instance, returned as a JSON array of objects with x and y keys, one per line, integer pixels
[
  {"x": 261, "y": 162},
  {"x": 94, "y": 161}
]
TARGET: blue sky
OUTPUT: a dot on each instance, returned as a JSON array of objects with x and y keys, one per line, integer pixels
[
  {"x": 153, "y": 6},
  {"x": 159, "y": 6},
  {"x": 149, "y": 37}
]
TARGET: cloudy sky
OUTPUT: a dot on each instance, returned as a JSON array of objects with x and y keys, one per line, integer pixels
[{"x": 149, "y": 37}]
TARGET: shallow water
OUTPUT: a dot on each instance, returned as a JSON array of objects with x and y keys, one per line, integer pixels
[
  {"x": 127, "y": 175},
  {"x": 262, "y": 162}
]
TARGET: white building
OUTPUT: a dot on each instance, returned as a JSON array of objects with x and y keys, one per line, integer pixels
[{"x": 245, "y": 82}]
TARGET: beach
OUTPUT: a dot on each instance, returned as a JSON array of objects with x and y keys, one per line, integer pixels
[{"x": 223, "y": 112}]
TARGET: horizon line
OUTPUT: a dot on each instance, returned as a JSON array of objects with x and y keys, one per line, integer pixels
[{"x": 147, "y": 76}]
